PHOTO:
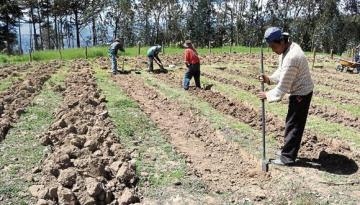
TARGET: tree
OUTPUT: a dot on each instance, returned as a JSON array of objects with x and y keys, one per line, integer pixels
[{"x": 10, "y": 11}]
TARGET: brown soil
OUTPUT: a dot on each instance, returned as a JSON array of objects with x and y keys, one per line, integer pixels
[
  {"x": 222, "y": 165},
  {"x": 14, "y": 100},
  {"x": 313, "y": 144},
  {"x": 327, "y": 95},
  {"x": 329, "y": 114},
  {"x": 13, "y": 70},
  {"x": 85, "y": 164}
]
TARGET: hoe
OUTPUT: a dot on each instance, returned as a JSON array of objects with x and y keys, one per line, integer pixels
[{"x": 265, "y": 162}]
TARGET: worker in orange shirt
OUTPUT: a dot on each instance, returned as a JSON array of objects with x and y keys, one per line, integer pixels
[{"x": 192, "y": 62}]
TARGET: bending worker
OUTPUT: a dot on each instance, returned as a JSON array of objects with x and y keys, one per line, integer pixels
[
  {"x": 292, "y": 77},
  {"x": 152, "y": 54},
  {"x": 113, "y": 50},
  {"x": 192, "y": 62}
]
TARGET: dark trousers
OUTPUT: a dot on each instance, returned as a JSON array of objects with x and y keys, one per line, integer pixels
[
  {"x": 294, "y": 128},
  {"x": 151, "y": 63},
  {"x": 193, "y": 71}
]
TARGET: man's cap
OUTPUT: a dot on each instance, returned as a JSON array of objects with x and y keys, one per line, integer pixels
[
  {"x": 274, "y": 34},
  {"x": 187, "y": 43},
  {"x": 158, "y": 47},
  {"x": 117, "y": 39}
]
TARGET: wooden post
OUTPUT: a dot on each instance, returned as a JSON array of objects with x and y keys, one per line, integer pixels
[
  {"x": 86, "y": 52},
  {"x": 314, "y": 57},
  {"x": 60, "y": 54},
  {"x": 30, "y": 53},
  {"x": 163, "y": 47},
  {"x": 332, "y": 53},
  {"x": 139, "y": 48},
  {"x": 210, "y": 46},
  {"x": 231, "y": 47},
  {"x": 250, "y": 48},
  {"x": 352, "y": 53}
]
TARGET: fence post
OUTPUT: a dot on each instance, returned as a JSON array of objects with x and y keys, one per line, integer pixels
[
  {"x": 86, "y": 52},
  {"x": 60, "y": 54},
  {"x": 139, "y": 48},
  {"x": 210, "y": 46},
  {"x": 163, "y": 47},
  {"x": 30, "y": 53},
  {"x": 332, "y": 53},
  {"x": 314, "y": 56}
]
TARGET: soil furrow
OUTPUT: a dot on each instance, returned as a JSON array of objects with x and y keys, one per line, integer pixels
[
  {"x": 176, "y": 121},
  {"x": 327, "y": 95},
  {"x": 222, "y": 165},
  {"x": 313, "y": 145},
  {"x": 13, "y": 70},
  {"x": 14, "y": 100},
  {"x": 85, "y": 163},
  {"x": 329, "y": 114}
]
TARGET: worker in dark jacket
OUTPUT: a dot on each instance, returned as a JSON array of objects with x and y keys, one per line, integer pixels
[
  {"x": 113, "y": 51},
  {"x": 292, "y": 77},
  {"x": 192, "y": 62}
]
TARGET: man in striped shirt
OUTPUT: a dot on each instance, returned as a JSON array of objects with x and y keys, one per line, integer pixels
[{"x": 292, "y": 77}]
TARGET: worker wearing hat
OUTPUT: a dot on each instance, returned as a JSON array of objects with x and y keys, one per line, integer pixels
[
  {"x": 192, "y": 62},
  {"x": 153, "y": 54},
  {"x": 113, "y": 51},
  {"x": 292, "y": 77}
]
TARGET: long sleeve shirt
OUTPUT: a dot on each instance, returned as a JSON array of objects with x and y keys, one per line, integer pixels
[
  {"x": 114, "y": 47},
  {"x": 153, "y": 51},
  {"x": 292, "y": 76},
  {"x": 191, "y": 56}
]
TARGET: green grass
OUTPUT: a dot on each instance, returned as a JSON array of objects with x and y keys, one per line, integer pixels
[
  {"x": 93, "y": 52},
  {"x": 135, "y": 130},
  {"x": 6, "y": 83},
  {"x": 21, "y": 150}
]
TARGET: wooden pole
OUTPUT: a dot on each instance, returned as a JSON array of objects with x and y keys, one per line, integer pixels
[
  {"x": 139, "y": 48},
  {"x": 163, "y": 47},
  {"x": 60, "y": 53},
  {"x": 209, "y": 46},
  {"x": 332, "y": 53},
  {"x": 314, "y": 57},
  {"x": 30, "y": 55},
  {"x": 86, "y": 52},
  {"x": 265, "y": 166}
]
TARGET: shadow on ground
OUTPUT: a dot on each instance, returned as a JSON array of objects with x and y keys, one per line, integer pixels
[{"x": 331, "y": 163}]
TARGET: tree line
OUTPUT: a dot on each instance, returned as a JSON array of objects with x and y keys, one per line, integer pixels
[{"x": 54, "y": 24}]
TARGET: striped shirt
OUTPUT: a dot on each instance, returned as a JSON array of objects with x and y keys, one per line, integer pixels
[{"x": 292, "y": 76}]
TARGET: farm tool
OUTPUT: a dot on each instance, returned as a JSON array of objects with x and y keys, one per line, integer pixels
[
  {"x": 123, "y": 71},
  {"x": 348, "y": 66},
  {"x": 264, "y": 162}
]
